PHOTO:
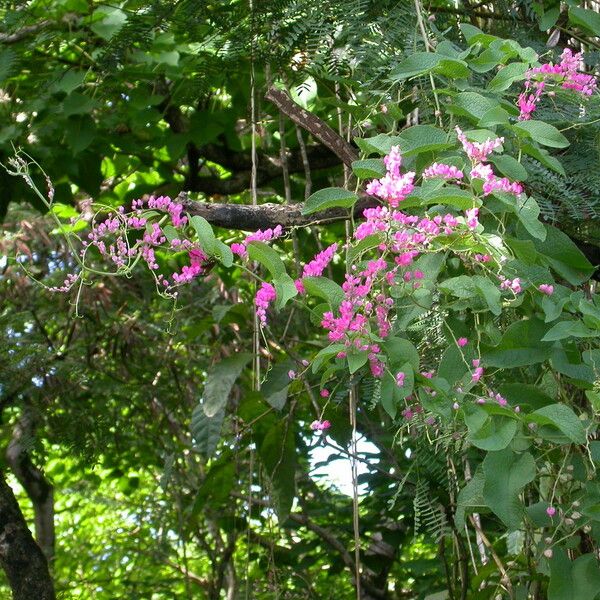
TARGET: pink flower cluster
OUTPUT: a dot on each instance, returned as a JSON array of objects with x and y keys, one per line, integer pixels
[
  {"x": 316, "y": 266},
  {"x": 116, "y": 226},
  {"x": 68, "y": 283},
  {"x": 265, "y": 295},
  {"x": 393, "y": 187},
  {"x": 320, "y": 425},
  {"x": 566, "y": 72},
  {"x": 258, "y": 236},
  {"x": 442, "y": 170},
  {"x": 478, "y": 370},
  {"x": 546, "y": 289},
  {"x": 479, "y": 152},
  {"x": 511, "y": 284}
]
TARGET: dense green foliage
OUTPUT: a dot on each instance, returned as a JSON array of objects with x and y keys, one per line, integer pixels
[{"x": 174, "y": 475}]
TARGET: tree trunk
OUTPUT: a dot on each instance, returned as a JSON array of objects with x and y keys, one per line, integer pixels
[
  {"x": 21, "y": 558},
  {"x": 35, "y": 484}
]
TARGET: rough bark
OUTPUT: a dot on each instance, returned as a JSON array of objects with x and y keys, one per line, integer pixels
[
  {"x": 21, "y": 558},
  {"x": 35, "y": 484},
  {"x": 315, "y": 126},
  {"x": 263, "y": 216}
]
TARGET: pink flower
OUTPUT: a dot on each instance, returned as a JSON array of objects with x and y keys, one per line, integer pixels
[
  {"x": 477, "y": 151},
  {"x": 400, "y": 378},
  {"x": 477, "y": 374},
  {"x": 320, "y": 425},
  {"x": 292, "y": 374},
  {"x": 265, "y": 295},
  {"x": 319, "y": 263},
  {"x": 393, "y": 187},
  {"x": 456, "y": 406},
  {"x": 546, "y": 289},
  {"x": 551, "y": 511},
  {"x": 462, "y": 342},
  {"x": 324, "y": 393},
  {"x": 442, "y": 170},
  {"x": 472, "y": 220}
]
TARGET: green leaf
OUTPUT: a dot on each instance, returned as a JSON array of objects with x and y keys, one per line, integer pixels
[
  {"x": 549, "y": 18},
  {"x": 277, "y": 451},
  {"x": 564, "y": 256},
  {"x": 223, "y": 253},
  {"x": 490, "y": 293},
  {"x": 509, "y": 166},
  {"x": 379, "y": 144},
  {"x": 495, "y": 434},
  {"x": 400, "y": 351},
  {"x": 206, "y": 431},
  {"x": 285, "y": 290},
  {"x": 326, "y": 354},
  {"x": 369, "y": 168},
  {"x": 567, "y": 329},
  {"x": 470, "y": 499},
  {"x": 69, "y": 82},
  {"x": 563, "y": 418},
  {"x": 267, "y": 257},
  {"x": 329, "y": 198},
  {"x": 204, "y": 233},
  {"x": 107, "y": 21},
  {"x": 506, "y": 76},
  {"x": 472, "y": 105},
  {"x": 416, "y": 63},
  {"x": 506, "y": 474},
  {"x": 356, "y": 359},
  {"x": 577, "y": 580},
  {"x": 521, "y": 345},
  {"x": 220, "y": 380},
  {"x": 528, "y": 212},
  {"x": 78, "y": 104},
  {"x": 462, "y": 286},
  {"x": 275, "y": 387},
  {"x": 494, "y": 116},
  {"x": 325, "y": 288},
  {"x": 545, "y": 158},
  {"x": 589, "y": 20},
  {"x": 170, "y": 233},
  {"x": 542, "y": 133},
  {"x": 422, "y": 138},
  {"x": 445, "y": 196}
]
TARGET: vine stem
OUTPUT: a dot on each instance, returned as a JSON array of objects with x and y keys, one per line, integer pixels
[
  {"x": 428, "y": 48},
  {"x": 355, "y": 515}
]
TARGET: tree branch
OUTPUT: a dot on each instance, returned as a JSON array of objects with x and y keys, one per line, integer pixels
[
  {"x": 263, "y": 216},
  {"x": 315, "y": 126}
]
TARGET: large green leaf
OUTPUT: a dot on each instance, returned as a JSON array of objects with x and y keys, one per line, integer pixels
[
  {"x": 589, "y": 20},
  {"x": 324, "y": 288},
  {"x": 206, "y": 430},
  {"x": 470, "y": 499},
  {"x": 329, "y": 198},
  {"x": 205, "y": 233},
  {"x": 277, "y": 451},
  {"x": 542, "y": 133},
  {"x": 267, "y": 257},
  {"x": 506, "y": 474},
  {"x": 422, "y": 138},
  {"x": 220, "y": 380},
  {"x": 520, "y": 345},
  {"x": 573, "y": 580},
  {"x": 563, "y": 418}
]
